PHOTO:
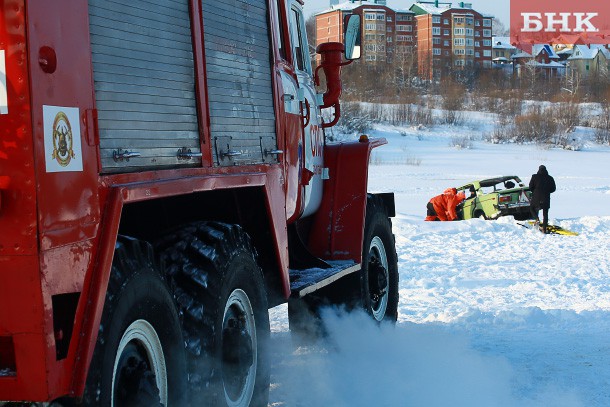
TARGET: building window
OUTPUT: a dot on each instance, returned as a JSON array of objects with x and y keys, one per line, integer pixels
[
  {"x": 406, "y": 28},
  {"x": 459, "y": 42},
  {"x": 477, "y": 54},
  {"x": 446, "y": 43},
  {"x": 403, "y": 18},
  {"x": 408, "y": 38},
  {"x": 369, "y": 16},
  {"x": 446, "y": 53},
  {"x": 436, "y": 19},
  {"x": 486, "y": 33},
  {"x": 587, "y": 67},
  {"x": 487, "y": 43},
  {"x": 486, "y": 53},
  {"x": 436, "y": 41},
  {"x": 369, "y": 37},
  {"x": 459, "y": 62},
  {"x": 446, "y": 21},
  {"x": 381, "y": 17},
  {"x": 389, "y": 29},
  {"x": 477, "y": 44},
  {"x": 477, "y": 23},
  {"x": 469, "y": 42},
  {"x": 486, "y": 22},
  {"x": 436, "y": 31},
  {"x": 446, "y": 32},
  {"x": 469, "y": 32},
  {"x": 497, "y": 54},
  {"x": 389, "y": 39},
  {"x": 458, "y": 31},
  {"x": 371, "y": 27},
  {"x": 477, "y": 33},
  {"x": 436, "y": 51},
  {"x": 371, "y": 57},
  {"x": 459, "y": 51},
  {"x": 458, "y": 20},
  {"x": 470, "y": 52},
  {"x": 389, "y": 19}
]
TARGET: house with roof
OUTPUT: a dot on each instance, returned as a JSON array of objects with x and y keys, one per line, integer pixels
[
  {"x": 502, "y": 51},
  {"x": 541, "y": 60},
  {"x": 589, "y": 60}
]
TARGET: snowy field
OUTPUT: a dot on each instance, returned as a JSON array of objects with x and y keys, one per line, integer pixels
[{"x": 490, "y": 313}]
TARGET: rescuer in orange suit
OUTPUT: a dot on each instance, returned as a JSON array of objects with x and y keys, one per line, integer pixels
[{"x": 442, "y": 207}]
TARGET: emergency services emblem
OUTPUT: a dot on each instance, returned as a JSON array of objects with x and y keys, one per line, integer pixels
[{"x": 62, "y": 142}]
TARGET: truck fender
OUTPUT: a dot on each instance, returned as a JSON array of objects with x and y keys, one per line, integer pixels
[{"x": 338, "y": 225}]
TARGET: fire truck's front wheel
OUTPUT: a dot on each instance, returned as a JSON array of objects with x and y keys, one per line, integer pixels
[
  {"x": 379, "y": 274},
  {"x": 220, "y": 290},
  {"x": 139, "y": 357}
]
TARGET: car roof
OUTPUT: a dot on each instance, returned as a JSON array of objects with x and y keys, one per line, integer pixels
[{"x": 490, "y": 182}]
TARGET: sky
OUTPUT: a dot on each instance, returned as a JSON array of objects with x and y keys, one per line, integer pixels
[{"x": 498, "y": 8}]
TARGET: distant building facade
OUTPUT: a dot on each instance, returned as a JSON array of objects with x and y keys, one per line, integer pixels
[
  {"x": 438, "y": 36},
  {"x": 451, "y": 37}
]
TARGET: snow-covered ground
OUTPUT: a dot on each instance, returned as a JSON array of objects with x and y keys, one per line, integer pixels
[{"x": 490, "y": 313}]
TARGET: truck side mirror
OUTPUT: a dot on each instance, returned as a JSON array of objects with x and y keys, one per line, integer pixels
[{"x": 352, "y": 38}]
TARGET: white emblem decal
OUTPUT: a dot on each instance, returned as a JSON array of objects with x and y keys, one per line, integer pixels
[
  {"x": 3, "y": 92},
  {"x": 62, "y": 139}
]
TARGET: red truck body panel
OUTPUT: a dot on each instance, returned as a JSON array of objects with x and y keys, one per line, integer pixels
[{"x": 58, "y": 228}]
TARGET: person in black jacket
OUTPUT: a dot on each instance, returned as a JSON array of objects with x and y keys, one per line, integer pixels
[{"x": 542, "y": 186}]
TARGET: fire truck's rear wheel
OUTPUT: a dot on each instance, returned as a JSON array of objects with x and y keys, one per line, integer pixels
[
  {"x": 139, "y": 357},
  {"x": 379, "y": 274},
  {"x": 221, "y": 295}
]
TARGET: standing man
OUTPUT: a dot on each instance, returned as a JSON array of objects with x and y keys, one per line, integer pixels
[{"x": 542, "y": 186}]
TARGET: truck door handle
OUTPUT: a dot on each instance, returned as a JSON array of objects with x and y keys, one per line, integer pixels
[
  {"x": 231, "y": 153},
  {"x": 307, "y": 114},
  {"x": 288, "y": 97},
  {"x": 186, "y": 154},
  {"x": 120, "y": 154},
  {"x": 276, "y": 152}
]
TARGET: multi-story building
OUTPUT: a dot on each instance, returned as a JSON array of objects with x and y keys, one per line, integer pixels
[
  {"x": 388, "y": 33},
  {"x": 436, "y": 36},
  {"x": 451, "y": 37}
]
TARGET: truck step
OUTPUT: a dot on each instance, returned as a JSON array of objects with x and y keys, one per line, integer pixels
[{"x": 303, "y": 282}]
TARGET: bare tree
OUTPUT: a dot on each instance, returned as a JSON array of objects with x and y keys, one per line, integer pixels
[{"x": 499, "y": 29}]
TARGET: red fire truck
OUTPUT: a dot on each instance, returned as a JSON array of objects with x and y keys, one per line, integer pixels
[{"x": 164, "y": 181}]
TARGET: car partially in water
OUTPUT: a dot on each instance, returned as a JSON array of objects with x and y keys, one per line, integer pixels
[{"x": 495, "y": 197}]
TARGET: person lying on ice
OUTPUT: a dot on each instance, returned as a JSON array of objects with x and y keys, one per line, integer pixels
[{"x": 442, "y": 207}]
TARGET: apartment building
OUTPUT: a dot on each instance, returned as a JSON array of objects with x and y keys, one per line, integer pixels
[
  {"x": 388, "y": 34},
  {"x": 451, "y": 37}
]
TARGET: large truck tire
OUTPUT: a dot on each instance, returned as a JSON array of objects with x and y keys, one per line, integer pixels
[
  {"x": 139, "y": 358},
  {"x": 222, "y": 299},
  {"x": 379, "y": 273}
]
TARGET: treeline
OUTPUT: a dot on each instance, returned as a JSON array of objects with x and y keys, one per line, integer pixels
[{"x": 531, "y": 108}]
